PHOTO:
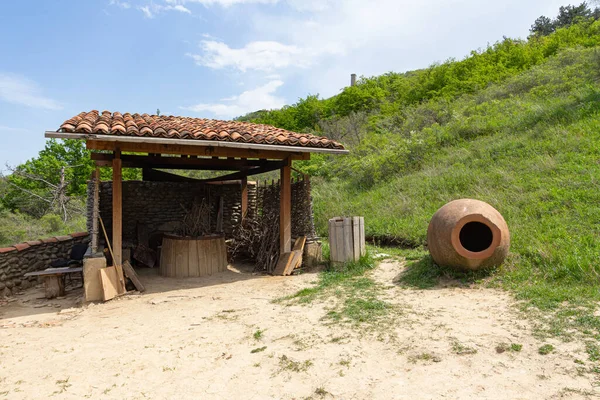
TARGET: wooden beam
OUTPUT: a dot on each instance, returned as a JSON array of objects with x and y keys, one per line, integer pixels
[
  {"x": 95, "y": 210},
  {"x": 117, "y": 209},
  {"x": 138, "y": 161},
  {"x": 244, "y": 197},
  {"x": 285, "y": 208},
  {"x": 246, "y": 173},
  {"x": 153, "y": 175},
  {"x": 207, "y": 151}
]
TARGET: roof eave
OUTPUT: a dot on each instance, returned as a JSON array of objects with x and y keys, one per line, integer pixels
[{"x": 191, "y": 142}]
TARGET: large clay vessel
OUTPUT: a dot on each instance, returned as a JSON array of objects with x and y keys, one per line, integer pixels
[{"x": 468, "y": 234}]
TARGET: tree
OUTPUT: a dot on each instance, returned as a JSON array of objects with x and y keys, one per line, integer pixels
[
  {"x": 568, "y": 15},
  {"x": 57, "y": 175},
  {"x": 543, "y": 26}
]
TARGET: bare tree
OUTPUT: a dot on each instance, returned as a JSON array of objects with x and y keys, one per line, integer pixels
[
  {"x": 348, "y": 130},
  {"x": 54, "y": 195}
]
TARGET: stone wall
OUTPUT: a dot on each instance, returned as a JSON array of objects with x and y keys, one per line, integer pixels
[
  {"x": 17, "y": 260},
  {"x": 160, "y": 205}
]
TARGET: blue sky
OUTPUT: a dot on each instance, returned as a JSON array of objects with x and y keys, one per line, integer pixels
[{"x": 219, "y": 58}]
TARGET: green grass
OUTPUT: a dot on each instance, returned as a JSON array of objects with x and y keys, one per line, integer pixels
[
  {"x": 287, "y": 364},
  {"x": 546, "y": 349},
  {"x": 16, "y": 227},
  {"x": 462, "y": 349},
  {"x": 357, "y": 295},
  {"x": 348, "y": 274},
  {"x": 424, "y": 357},
  {"x": 258, "y": 334},
  {"x": 530, "y": 147},
  {"x": 258, "y": 349},
  {"x": 513, "y": 347}
]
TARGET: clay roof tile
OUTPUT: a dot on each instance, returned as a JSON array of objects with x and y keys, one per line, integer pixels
[{"x": 126, "y": 124}]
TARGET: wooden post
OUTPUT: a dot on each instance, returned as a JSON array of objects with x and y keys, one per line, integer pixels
[
  {"x": 95, "y": 211},
  {"x": 285, "y": 209},
  {"x": 117, "y": 209},
  {"x": 244, "y": 197}
]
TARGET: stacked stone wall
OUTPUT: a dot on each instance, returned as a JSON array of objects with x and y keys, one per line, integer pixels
[
  {"x": 17, "y": 260},
  {"x": 160, "y": 206}
]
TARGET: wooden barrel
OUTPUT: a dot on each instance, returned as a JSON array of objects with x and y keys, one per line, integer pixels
[
  {"x": 183, "y": 257},
  {"x": 346, "y": 239}
]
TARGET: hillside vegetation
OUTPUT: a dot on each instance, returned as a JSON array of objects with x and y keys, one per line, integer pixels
[{"x": 516, "y": 125}]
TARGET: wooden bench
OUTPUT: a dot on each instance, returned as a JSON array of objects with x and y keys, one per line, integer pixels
[{"x": 54, "y": 279}]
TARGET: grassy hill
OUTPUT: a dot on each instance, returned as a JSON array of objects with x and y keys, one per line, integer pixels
[
  {"x": 516, "y": 125},
  {"x": 530, "y": 147}
]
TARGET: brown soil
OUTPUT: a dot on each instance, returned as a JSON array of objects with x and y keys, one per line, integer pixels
[{"x": 193, "y": 339}]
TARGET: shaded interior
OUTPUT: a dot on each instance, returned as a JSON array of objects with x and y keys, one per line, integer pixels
[{"x": 476, "y": 236}]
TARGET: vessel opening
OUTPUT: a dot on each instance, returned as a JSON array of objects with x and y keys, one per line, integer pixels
[{"x": 476, "y": 236}]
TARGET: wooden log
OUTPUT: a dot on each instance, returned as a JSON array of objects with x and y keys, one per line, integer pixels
[
  {"x": 285, "y": 209},
  {"x": 95, "y": 211},
  {"x": 54, "y": 286},
  {"x": 117, "y": 211}
]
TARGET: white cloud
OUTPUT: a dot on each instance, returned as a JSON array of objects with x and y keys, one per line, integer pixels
[
  {"x": 17, "y": 89},
  {"x": 121, "y": 4},
  {"x": 152, "y": 9},
  {"x": 337, "y": 37},
  {"x": 262, "y": 56},
  {"x": 260, "y": 98}
]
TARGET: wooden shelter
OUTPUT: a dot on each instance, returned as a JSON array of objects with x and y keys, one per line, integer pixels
[{"x": 171, "y": 142}]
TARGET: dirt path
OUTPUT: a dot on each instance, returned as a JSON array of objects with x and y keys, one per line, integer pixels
[{"x": 193, "y": 339}]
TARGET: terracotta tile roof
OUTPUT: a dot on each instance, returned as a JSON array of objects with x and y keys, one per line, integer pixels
[{"x": 144, "y": 125}]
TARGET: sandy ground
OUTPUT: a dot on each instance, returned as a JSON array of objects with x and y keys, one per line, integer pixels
[{"x": 192, "y": 339}]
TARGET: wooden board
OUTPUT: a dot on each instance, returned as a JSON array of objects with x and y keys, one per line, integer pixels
[
  {"x": 185, "y": 257},
  {"x": 356, "y": 237},
  {"x": 363, "y": 247},
  {"x": 283, "y": 264},
  {"x": 299, "y": 243},
  {"x": 131, "y": 274},
  {"x": 92, "y": 285},
  {"x": 193, "y": 269},
  {"x": 295, "y": 262},
  {"x": 206, "y": 151},
  {"x": 54, "y": 271},
  {"x": 348, "y": 247},
  {"x": 110, "y": 283},
  {"x": 297, "y": 252}
]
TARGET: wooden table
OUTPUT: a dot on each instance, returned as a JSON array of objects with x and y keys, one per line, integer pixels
[{"x": 54, "y": 279}]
